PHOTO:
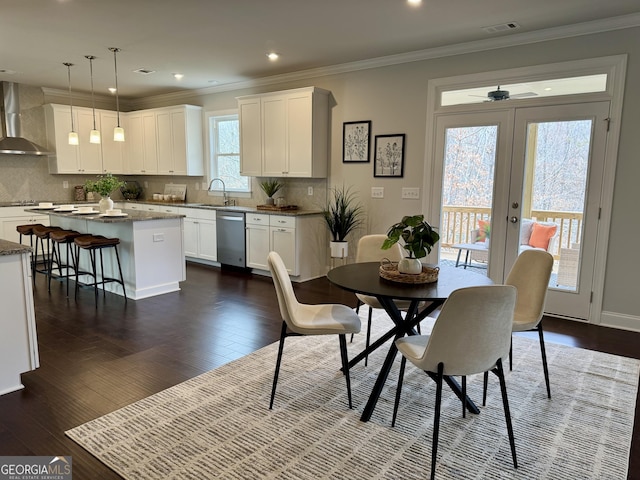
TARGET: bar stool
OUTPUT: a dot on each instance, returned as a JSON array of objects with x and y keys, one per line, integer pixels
[
  {"x": 27, "y": 230},
  {"x": 93, "y": 243},
  {"x": 58, "y": 238},
  {"x": 42, "y": 234}
]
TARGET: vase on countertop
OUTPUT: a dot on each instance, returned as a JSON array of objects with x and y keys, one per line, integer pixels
[{"x": 105, "y": 204}]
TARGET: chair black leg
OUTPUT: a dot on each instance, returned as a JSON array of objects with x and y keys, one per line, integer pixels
[
  {"x": 366, "y": 358},
  {"x": 464, "y": 396},
  {"x": 357, "y": 311},
  {"x": 345, "y": 365},
  {"x": 511, "y": 355},
  {"x": 403, "y": 363},
  {"x": 436, "y": 419},
  {"x": 544, "y": 359},
  {"x": 485, "y": 383},
  {"x": 283, "y": 334},
  {"x": 499, "y": 371}
]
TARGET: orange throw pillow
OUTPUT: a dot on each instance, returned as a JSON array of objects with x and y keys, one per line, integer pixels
[
  {"x": 483, "y": 230},
  {"x": 541, "y": 234}
]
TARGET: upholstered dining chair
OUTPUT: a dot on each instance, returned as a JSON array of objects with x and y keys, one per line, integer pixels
[
  {"x": 471, "y": 335},
  {"x": 303, "y": 319},
  {"x": 530, "y": 275},
  {"x": 370, "y": 250}
]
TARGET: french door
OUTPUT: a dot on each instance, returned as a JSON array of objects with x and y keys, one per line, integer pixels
[{"x": 505, "y": 174}]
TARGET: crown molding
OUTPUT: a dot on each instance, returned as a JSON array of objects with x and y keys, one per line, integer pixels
[{"x": 565, "y": 31}]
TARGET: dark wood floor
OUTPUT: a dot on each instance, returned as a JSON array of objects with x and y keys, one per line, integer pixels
[{"x": 94, "y": 361}]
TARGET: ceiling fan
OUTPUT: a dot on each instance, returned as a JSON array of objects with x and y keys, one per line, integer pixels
[{"x": 499, "y": 95}]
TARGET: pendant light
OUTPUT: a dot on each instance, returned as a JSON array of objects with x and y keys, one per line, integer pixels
[
  {"x": 73, "y": 135},
  {"x": 118, "y": 131},
  {"x": 94, "y": 136}
]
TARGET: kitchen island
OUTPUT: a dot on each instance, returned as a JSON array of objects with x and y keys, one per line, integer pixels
[
  {"x": 18, "y": 342},
  {"x": 151, "y": 248}
]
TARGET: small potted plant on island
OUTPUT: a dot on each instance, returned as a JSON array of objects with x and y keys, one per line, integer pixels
[
  {"x": 104, "y": 185},
  {"x": 343, "y": 214},
  {"x": 418, "y": 237},
  {"x": 270, "y": 187}
]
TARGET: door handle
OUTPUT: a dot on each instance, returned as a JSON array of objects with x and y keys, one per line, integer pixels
[{"x": 513, "y": 219}]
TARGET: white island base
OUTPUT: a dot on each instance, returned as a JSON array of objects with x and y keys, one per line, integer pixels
[{"x": 151, "y": 250}]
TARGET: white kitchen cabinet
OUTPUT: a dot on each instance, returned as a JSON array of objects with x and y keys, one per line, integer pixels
[
  {"x": 18, "y": 343},
  {"x": 85, "y": 158},
  {"x": 112, "y": 152},
  {"x": 11, "y": 217},
  {"x": 301, "y": 241},
  {"x": 282, "y": 239},
  {"x": 179, "y": 138},
  {"x": 250, "y": 136},
  {"x": 90, "y": 154},
  {"x": 199, "y": 234},
  {"x": 284, "y": 134},
  {"x": 141, "y": 147},
  {"x": 162, "y": 141},
  {"x": 258, "y": 240}
]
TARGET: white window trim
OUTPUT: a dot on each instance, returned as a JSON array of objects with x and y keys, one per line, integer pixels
[{"x": 217, "y": 192}]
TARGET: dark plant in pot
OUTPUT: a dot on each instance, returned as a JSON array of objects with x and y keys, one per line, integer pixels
[
  {"x": 418, "y": 238},
  {"x": 343, "y": 214}
]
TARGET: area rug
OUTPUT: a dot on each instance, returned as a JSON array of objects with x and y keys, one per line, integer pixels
[{"x": 218, "y": 424}]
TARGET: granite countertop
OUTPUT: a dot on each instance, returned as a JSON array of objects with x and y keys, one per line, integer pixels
[
  {"x": 232, "y": 208},
  {"x": 12, "y": 248},
  {"x": 129, "y": 215}
]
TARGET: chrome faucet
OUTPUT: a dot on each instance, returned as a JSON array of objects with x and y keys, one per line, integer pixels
[{"x": 225, "y": 200}]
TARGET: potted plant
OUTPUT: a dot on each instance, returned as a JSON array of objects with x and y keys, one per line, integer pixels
[
  {"x": 271, "y": 187},
  {"x": 104, "y": 185},
  {"x": 343, "y": 214},
  {"x": 131, "y": 190},
  {"x": 418, "y": 237}
]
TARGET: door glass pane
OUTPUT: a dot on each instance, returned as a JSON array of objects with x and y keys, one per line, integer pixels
[
  {"x": 467, "y": 194},
  {"x": 556, "y": 168}
]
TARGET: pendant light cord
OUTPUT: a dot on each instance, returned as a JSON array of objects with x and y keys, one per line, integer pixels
[
  {"x": 69, "y": 65},
  {"x": 115, "y": 65},
  {"x": 93, "y": 102}
]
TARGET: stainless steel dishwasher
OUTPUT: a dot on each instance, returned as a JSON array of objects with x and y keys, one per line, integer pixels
[{"x": 230, "y": 236}]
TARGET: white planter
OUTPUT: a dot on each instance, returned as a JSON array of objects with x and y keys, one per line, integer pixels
[
  {"x": 412, "y": 266},
  {"x": 339, "y": 249},
  {"x": 105, "y": 204}
]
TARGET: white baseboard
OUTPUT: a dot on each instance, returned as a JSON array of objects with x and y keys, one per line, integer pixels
[{"x": 620, "y": 320}]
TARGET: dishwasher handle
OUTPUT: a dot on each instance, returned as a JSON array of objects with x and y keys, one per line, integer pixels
[{"x": 234, "y": 219}]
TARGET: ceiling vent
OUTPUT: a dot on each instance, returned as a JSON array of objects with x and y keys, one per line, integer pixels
[
  {"x": 503, "y": 27},
  {"x": 144, "y": 71}
]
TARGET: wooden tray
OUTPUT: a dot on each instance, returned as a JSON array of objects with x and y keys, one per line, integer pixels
[{"x": 275, "y": 208}]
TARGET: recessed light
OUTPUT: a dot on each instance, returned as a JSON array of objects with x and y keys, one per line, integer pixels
[
  {"x": 178, "y": 76},
  {"x": 112, "y": 89},
  {"x": 273, "y": 56},
  {"x": 548, "y": 89},
  {"x": 414, "y": 2}
]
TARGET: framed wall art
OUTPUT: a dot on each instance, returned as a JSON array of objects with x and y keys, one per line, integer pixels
[
  {"x": 356, "y": 141},
  {"x": 389, "y": 155}
]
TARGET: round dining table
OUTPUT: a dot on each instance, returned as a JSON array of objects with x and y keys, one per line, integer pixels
[{"x": 424, "y": 298}]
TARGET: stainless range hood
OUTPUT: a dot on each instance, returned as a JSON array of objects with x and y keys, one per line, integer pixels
[{"x": 12, "y": 143}]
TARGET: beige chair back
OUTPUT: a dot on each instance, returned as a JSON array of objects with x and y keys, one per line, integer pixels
[
  {"x": 370, "y": 249},
  {"x": 530, "y": 275},
  {"x": 472, "y": 331},
  {"x": 284, "y": 289}
]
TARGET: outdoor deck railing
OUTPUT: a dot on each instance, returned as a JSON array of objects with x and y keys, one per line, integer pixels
[{"x": 458, "y": 222}]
